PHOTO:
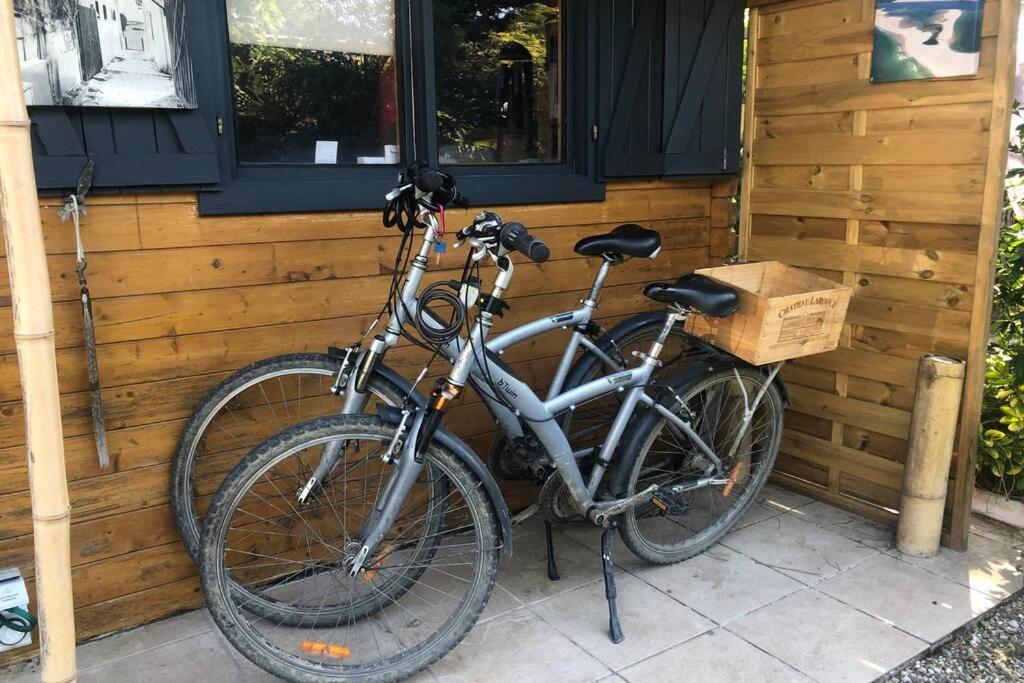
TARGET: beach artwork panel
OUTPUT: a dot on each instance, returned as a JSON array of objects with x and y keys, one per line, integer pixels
[{"x": 916, "y": 39}]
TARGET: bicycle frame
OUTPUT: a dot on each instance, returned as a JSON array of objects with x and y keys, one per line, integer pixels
[{"x": 356, "y": 397}]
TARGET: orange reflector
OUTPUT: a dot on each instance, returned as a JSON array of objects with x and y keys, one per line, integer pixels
[
  {"x": 733, "y": 476},
  {"x": 325, "y": 649}
]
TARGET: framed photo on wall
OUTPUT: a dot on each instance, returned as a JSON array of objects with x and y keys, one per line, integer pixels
[
  {"x": 104, "y": 53},
  {"x": 918, "y": 39}
]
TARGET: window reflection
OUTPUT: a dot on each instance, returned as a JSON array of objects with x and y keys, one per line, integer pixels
[
  {"x": 498, "y": 80},
  {"x": 314, "y": 81}
]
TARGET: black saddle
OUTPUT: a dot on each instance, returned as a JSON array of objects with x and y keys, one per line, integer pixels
[
  {"x": 698, "y": 292},
  {"x": 626, "y": 240}
]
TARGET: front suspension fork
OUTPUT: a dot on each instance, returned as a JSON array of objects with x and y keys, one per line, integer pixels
[
  {"x": 356, "y": 397},
  {"x": 408, "y": 466}
]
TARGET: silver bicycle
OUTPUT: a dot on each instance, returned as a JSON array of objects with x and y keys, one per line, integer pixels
[
  {"x": 383, "y": 564},
  {"x": 268, "y": 396}
]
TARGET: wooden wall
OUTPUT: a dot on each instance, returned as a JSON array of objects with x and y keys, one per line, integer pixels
[
  {"x": 893, "y": 189},
  {"x": 181, "y": 301}
]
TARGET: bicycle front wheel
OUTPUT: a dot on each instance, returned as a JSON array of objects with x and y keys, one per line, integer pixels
[
  {"x": 416, "y": 599},
  {"x": 655, "y": 451}
]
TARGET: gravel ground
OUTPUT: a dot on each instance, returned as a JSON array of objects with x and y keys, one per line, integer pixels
[{"x": 990, "y": 651}]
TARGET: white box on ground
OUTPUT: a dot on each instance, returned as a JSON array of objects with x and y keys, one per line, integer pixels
[{"x": 13, "y": 594}]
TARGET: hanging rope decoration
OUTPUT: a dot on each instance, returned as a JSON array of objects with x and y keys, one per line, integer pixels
[{"x": 74, "y": 209}]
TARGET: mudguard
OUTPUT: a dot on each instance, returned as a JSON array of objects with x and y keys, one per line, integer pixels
[{"x": 457, "y": 446}]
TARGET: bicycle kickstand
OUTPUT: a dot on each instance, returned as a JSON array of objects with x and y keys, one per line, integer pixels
[
  {"x": 552, "y": 567},
  {"x": 614, "y": 627}
]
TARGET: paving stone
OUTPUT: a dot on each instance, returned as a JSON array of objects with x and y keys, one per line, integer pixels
[
  {"x": 925, "y": 604},
  {"x": 756, "y": 513},
  {"x": 714, "y": 656},
  {"x": 782, "y": 500},
  {"x": 801, "y": 550},
  {"x": 825, "y": 639},
  {"x": 996, "y": 531},
  {"x": 203, "y": 657},
  {"x": 525, "y": 574},
  {"x": 720, "y": 583},
  {"x": 848, "y": 524},
  {"x": 987, "y": 566},
  {"x": 651, "y": 621},
  {"x": 102, "y": 651},
  {"x": 518, "y": 647}
]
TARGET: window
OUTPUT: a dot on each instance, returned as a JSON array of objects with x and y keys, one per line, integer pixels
[
  {"x": 325, "y": 99},
  {"x": 498, "y": 82},
  {"x": 316, "y": 84}
]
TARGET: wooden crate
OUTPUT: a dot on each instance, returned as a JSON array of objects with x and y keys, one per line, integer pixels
[{"x": 784, "y": 313}]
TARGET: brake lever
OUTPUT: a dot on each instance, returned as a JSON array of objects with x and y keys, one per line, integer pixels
[{"x": 397, "y": 192}]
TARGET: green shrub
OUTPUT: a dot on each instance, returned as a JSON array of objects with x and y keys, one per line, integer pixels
[{"x": 1000, "y": 464}]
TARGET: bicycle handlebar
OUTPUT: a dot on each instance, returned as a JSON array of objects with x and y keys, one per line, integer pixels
[{"x": 515, "y": 237}]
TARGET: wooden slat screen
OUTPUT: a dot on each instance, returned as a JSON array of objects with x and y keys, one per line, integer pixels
[{"x": 894, "y": 190}]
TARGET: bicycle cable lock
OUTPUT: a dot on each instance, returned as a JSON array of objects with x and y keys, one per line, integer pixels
[{"x": 74, "y": 208}]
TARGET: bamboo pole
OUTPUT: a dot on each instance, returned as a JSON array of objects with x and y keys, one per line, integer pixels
[
  {"x": 33, "y": 333},
  {"x": 933, "y": 423}
]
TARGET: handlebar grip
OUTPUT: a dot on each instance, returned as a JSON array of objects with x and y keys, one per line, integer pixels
[
  {"x": 428, "y": 180},
  {"x": 515, "y": 237}
]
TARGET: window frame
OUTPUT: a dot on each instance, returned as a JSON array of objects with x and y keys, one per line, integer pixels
[{"x": 251, "y": 188}]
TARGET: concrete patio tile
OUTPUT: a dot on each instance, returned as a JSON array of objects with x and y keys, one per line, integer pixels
[
  {"x": 102, "y": 651},
  {"x": 925, "y": 604},
  {"x": 825, "y": 639},
  {"x": 996, "y": 531},
  {"x": 782, "y": 500},
  {"x": 525, "y": 574},
  {"x": 589, "y": 536},
  {"x": 848, "y": 524},
  {"x": 720, "y": 583},
  {"x": 518, "y": 647},
  {"x": 987, "y": 566},
  {"x": 799, "y": 549},
  {"x": 203, "y": 657},
  {"x": 714, "y": 656},
  {"x": 757, "y": 513},
  {"x": 500, "y": 602},
  {"x": 651, "y": 621}
]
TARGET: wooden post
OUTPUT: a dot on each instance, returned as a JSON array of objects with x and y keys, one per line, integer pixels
[
  {"x": 33, "y": 333},
  {"x": 940, "y": 381}
]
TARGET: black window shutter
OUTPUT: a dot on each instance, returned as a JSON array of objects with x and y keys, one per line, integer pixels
[
  {"x": 129, "y": 147},
  {"x": 631, "y": 35},
  {"x": 670, "y": 87},
  {"x": 703, "y": 81}
]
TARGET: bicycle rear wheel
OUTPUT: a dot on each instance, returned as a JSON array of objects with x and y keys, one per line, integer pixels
[
  {"x": 656, "y": 452},
  {"x": 251, "y": 405},
  {"x": 418, "y": 596},
  {"x": 587, "y": 425}
]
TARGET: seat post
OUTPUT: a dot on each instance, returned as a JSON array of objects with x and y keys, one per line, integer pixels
[
  {"x": 675, "y": 314},
  {"x": 595, "y": 289}
]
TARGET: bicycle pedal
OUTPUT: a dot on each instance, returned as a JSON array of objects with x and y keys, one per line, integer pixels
[{"x": 672, "y": 503}]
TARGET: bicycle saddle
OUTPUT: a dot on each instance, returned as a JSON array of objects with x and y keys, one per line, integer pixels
[
  {"x": 698, "y": 292},
  {"x": 628, "y": 240}
]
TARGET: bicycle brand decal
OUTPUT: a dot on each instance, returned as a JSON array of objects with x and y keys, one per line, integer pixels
[{"x": 507, "y": 388}]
